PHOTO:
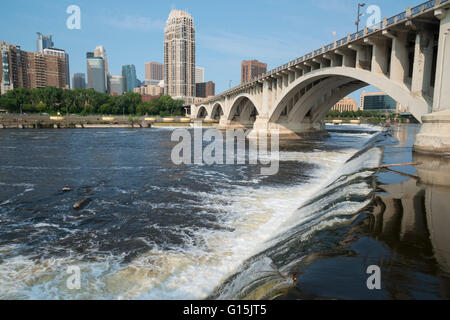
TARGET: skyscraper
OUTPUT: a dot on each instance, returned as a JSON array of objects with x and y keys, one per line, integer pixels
[
  {"x": 78, "y": 81},
  {"x": 179, "y": 56},
  {"x": 96, "y": 74},
  {"x": 62, "y": 54},
  {"x": 44, "y": 42},
  {"x": 251, "y": 69},
  {"x": 101, "y": 52},
  {"x": 154, "y": 71},
  {"x": 199, "y": 75},
  {"x": 129, "y": 75},
  {"x": 117, "y": 85}
]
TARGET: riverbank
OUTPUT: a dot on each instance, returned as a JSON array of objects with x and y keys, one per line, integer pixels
[
  {"x": 15, "y": 121},
  {"x": 35, "y": 121}
]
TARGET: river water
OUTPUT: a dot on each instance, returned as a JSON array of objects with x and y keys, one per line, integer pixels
[{"x": 155, "y": 230}]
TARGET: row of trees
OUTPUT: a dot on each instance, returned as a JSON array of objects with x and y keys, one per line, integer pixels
[
  {"x": 357, "y": 114},
  {"x": 86, "y": 101}
]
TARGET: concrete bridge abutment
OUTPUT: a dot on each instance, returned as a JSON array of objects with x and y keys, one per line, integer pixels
[{"x": 434, "y": 136}]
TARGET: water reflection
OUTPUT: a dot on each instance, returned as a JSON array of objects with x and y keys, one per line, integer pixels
[
  {"x": 405, "y": 231},
  {"x": 416, "y": 212},
  {"x": 434, "y": 177}
]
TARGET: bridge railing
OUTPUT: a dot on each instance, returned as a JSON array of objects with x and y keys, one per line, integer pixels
[{"x": 402, "y": 16}]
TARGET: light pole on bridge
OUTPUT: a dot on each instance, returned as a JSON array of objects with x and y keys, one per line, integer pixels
[{"x": 358, "y": 20}]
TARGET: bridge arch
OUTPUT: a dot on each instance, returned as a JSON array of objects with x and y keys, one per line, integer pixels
[
  {"x": 339, "y": 78},
  {"x": 202, "y": 112},
  {"x": 244, "y": 109},
  {"x": 217, "y": 111}
]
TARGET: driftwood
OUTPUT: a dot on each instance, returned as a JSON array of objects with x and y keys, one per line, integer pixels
[
  {"x": 81, "y": 203},
  {"x": 403, "y": 174},
  {"x": 387, "y": 166}
]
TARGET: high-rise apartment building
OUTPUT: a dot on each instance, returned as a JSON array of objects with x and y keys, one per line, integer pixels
[
  {"x": 199, "y": 74},
  {"x": 12, "y": 70},
  {"x": 45, "y": 70},
  {"x": 62, "y": 54},
  {"x": 44, "y": 42},
  {"x": 30, "y": 69},
  {"x": 179, "y": 56},
  {"x": 129, "y": 75},
  {"x": 96, "y": 73},
  {"x": 154, "y": 71},
  {"x": 78, "y": 81},
  {"x": 117, "y": 85},
  {"x": 251, "y": 69},
  {"x": 206, "y": 89}
]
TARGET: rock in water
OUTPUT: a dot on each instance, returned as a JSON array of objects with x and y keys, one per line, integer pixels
[
  {"x": 66, "y": 189},
  {"x": 81, "y": 203}
]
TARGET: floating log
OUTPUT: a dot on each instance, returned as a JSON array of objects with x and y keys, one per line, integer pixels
[
  {"x": 386, "y": 166},
  {"x": 81, "y": 203}
]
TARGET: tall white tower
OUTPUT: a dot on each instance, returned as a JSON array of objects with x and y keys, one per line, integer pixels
[{"x": 179, "y": 56}]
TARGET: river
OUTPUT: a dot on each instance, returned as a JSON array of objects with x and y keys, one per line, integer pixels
[{"x": 155, "y": 230}]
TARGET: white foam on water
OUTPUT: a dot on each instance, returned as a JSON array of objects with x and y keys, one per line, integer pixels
[{"x": 249, "y": 215}]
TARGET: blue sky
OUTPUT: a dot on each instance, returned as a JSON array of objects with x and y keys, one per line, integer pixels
[{"x": 227, "y": 32}]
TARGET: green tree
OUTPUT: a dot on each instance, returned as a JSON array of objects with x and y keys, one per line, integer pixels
[
  {"x": 105, "y": 108},
  {"x": 142, "y": 108},
  {"x": 20, "y": 97},
  {"x": 41, "y": 107},
  {"x": 88, "y": 109},
  {"x": 8, "y": 103}
]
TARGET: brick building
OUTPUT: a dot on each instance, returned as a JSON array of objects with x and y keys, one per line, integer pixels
[
  {"x": 251, "y": 69},
  {"x": 30, "y": 69},
  {"x": 205, "y": 89}
]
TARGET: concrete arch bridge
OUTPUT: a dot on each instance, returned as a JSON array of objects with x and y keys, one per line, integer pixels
[{"x": 407, "y": 56}]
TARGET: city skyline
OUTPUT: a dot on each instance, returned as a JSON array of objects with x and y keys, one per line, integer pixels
[{"x": 220, "y": 46}]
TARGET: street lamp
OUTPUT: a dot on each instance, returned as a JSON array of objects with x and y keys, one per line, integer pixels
[
  {"x": 358, "y": 20},
  {"x": 230, "y": 83}
]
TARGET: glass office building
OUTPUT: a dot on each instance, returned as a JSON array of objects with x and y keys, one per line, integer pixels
[
  {"x": 44, "y": 42},
  {"x": 96, "y": 74},
  {"x": 129, "y": 77},
  {"x": 378, "y": 101}
]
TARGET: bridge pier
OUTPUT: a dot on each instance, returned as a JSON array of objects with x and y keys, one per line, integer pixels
[
  {"x": 434, "y": 136},
  {"x": 288, "y": 130},
  {"x": 225, "y": 124}
]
